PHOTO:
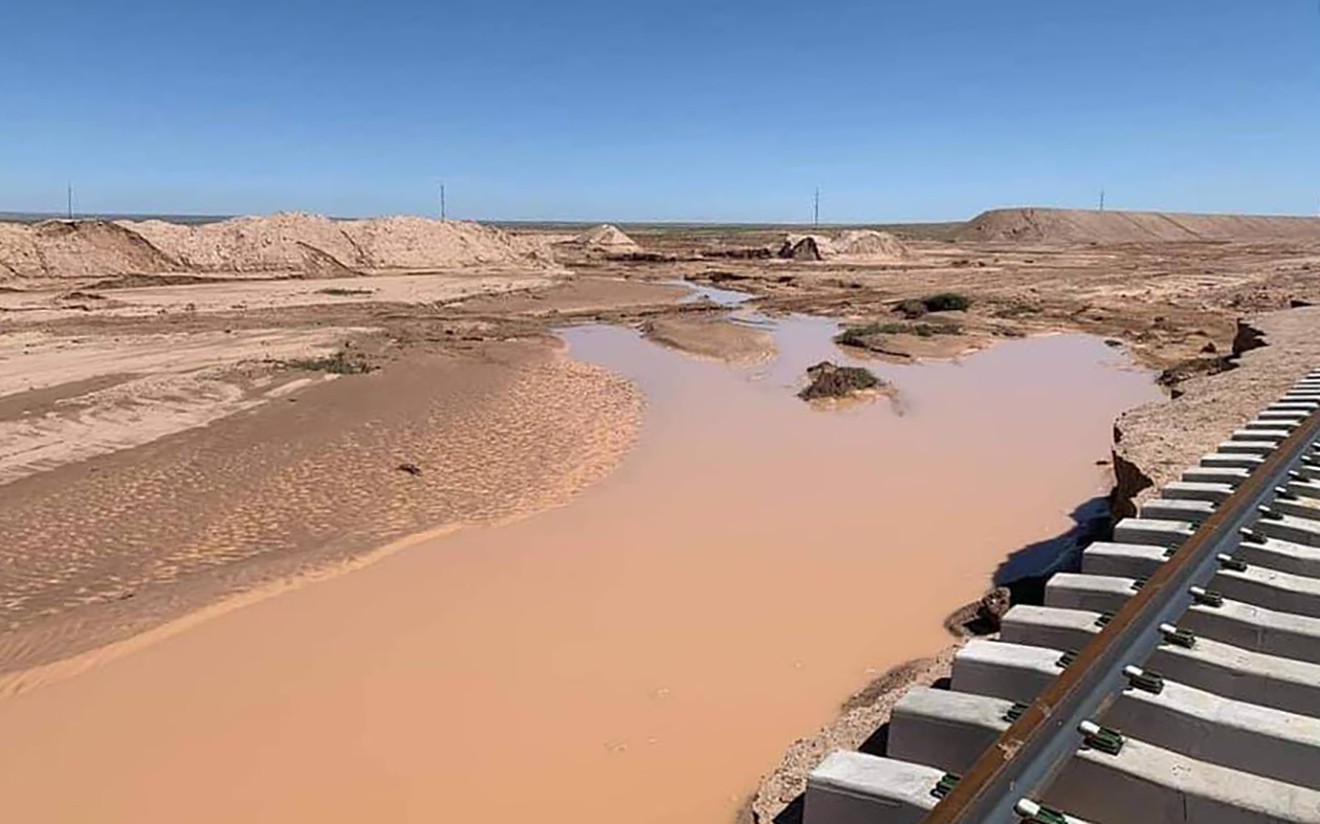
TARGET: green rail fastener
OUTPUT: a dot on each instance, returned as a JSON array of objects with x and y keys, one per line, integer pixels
[
  {"x": 1268, "y": 514},
  {"x": 1284, "y": 493},
  {"x": 1102, "y": 739},
  {"x": 1032, "y": 813},
  {"x": 945, "y": 785},
  {"x": 1144, "y": 680},
  {"x": 1013, "y": 713},
  {"x": 1138, "y": 583},
  {"x": 1178, "y": 637},
  {"x": 1067, "y": 658},
  {"x": 1229, "y": 562},
  {"x": 1170, "y": 551},
  {"x": 1207, "y": 597},
  {"x": 1104, "y": 618}
]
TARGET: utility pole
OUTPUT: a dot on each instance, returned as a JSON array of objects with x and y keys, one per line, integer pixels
[
  {"x": 69, "y": 194},
  {"x": 815, "y": 209},
  {"x": 442, "y": 203},
  {"x": 1102, "y": 200}
]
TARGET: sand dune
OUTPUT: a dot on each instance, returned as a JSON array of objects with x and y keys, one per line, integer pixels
[{"x": 1086, "y": 226}]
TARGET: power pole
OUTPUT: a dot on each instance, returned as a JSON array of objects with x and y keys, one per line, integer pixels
[
  {"x": 815, "y": 209},
  {"x": 69, "y": 194},
  {"x": 1102, "y": 200},
  {"x": 442, "y": 203}
]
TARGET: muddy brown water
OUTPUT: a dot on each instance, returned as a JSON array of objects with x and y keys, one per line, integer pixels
[{"x": 640, "y": 655}]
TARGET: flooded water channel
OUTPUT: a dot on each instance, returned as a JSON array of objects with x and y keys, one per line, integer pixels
[{"x": 640, "y": 655}]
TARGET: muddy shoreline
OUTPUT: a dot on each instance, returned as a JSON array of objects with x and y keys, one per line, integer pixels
[{"x": 1152, "y": 443}]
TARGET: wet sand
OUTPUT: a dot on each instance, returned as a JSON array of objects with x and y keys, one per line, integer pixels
[
  {"x": 101, "y": 549},
  {"x": 641, "y": 655}
]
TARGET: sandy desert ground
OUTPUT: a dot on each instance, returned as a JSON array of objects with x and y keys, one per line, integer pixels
[{"x": 189, "y": 414}]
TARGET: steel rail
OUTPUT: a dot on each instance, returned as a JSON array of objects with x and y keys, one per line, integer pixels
[{"x": 1030, "y": 752}]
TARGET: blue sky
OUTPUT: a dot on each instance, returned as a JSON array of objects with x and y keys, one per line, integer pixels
[{"x": 719, "y": 110}]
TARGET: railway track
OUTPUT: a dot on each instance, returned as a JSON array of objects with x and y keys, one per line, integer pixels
[{"x": 1176, "y": 678}]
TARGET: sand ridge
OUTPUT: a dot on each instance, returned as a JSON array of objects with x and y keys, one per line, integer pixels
[
  {"x": 1089, "y": 226},
  {"x": 712, "y": 336}
]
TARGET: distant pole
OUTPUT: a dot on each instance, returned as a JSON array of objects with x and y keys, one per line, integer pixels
[
  {"x": 442, "y": 202},
  {"x": 1102, "y": 200},
  {"x": 69, "y": 194},
  {"x": 815, "y": 209}
]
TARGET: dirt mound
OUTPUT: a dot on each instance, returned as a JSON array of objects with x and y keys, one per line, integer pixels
[
  {"x": 607, "y": 238},
  {"x": 868, "y": 243},
  {"x": 58, "y": 248},
  {"x": 420, "y": 243},
  {"x": 18, "y": 252},
  {"x": 253, "y": 244},
  {"x": 804, "y": 247},
  {"x": 309, "y": 245},
  {"x": 855, "y": 244},
  {"x": 1084, "y": 226}
]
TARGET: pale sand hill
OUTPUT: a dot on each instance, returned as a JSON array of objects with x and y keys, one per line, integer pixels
[
  {"x": 84, "y": 248},
  {"x": 607, "y": 238},
  {"x": 286, "y": 243},
  {"x": 858, "y": 245},
  {"x": 869, "y": 243},
  {"x": 249, "y": 244},
  {"x": 419, "y": 243},
  {"x": 1085, "y": 226}
]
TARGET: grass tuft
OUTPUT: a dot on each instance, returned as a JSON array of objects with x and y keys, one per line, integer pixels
[
  {"x": 342, "y": 362},
  {"x": 859, "y": 335}
]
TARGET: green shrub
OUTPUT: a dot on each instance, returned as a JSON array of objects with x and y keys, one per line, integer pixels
[
  {"x": 341, "y": 362},
  {"x": 858, "y": 335},
  {"x": 912, "y": 308},
  {"x": 946, "y": 302},
  {"x": 829, "y": 380}
]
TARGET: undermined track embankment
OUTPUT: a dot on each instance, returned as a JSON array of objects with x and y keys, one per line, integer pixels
[{"x": 1176, "y": 678}]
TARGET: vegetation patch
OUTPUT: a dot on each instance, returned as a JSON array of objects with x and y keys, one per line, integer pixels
[
  {"x": 862, "y": 336},
  {"x": 912, "y": 308},
  {"x": 342, "y": 362},
  {"x": 946, "y": 302},
  {"x": 340, "y": 291},
  {"x": 829, "y": 380}
]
